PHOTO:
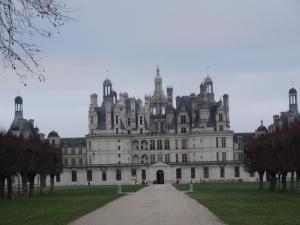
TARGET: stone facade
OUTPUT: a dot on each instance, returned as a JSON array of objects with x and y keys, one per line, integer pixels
[{"x": 156, "y": 141}]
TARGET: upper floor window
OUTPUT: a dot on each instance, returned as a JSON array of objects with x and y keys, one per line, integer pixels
[
  {"x": 73, "y": 162},
  {"x": 117, "y": 119},
  {"x": 73, "y": 151},
  {"x": 167, "y": 145},
  {"x": 184, "y": 158},
  {"x": 176, "y": 144},
  {"x": 183, "y": 130},
  {"x": 224, "y": 156},
  {"x": 184, "y": 143},
  {"x": 152, "y": 145},
  {"x": 141, "y": 120},
  {"x": 141, "y": 131},
  {"x": 117, "y": 130},
  {"x": 167, "y": 158},
  {"x": 90, "y": 146},
  {"x": 152, "y": 158},
  {"x": 128, "y": 122},
  {"x": 183, "y": 119},
  {"x": 217, "y": 142},
  {"x": 221, "y": 128},
  {"x": 223, "y": 142},
  {"x": 240, "y": 146},
  {"x": 221, "y": 117},
  {"x": 159, "y": 145}
]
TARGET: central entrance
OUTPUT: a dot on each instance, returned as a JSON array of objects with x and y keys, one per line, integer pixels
[{"x": 160, "y": 177}]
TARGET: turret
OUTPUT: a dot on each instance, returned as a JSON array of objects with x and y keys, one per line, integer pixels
[
  {"x": 226, "y": 107},
  {"x": 18, "y": 108},
  {"x": 293, "y": 104},
  {"x": 170, "y": 95}
]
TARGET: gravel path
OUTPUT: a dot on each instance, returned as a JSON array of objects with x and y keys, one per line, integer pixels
[{"x": 153, "y": 205}]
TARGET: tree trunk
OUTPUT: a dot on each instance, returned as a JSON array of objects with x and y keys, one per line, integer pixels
[
  {"x": 31, "y": 185},
  {"x": 2, "y": 187},
  {"x": 42, "y": 183},
  {"x": 9, "y": 187},
  {"x": 24, "y": 183},
  {"x": 292, "y": 181},
  {"x": 261, "y": 179},
  {"x": 51, "y": 183},
  {"x": 283, "y": 181},
  {"x": 272, "y": 181}
]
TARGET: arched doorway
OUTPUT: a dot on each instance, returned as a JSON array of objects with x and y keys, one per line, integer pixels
[{"x": 160, "y": 177}]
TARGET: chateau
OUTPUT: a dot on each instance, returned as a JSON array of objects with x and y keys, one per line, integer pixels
[{"x": 158, "y": 141}]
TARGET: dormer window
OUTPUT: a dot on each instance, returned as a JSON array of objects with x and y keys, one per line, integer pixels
[{"x": 183, "y": 119}]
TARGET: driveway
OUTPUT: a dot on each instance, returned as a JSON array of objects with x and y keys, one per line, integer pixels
[{"x": 153, "y": 205}]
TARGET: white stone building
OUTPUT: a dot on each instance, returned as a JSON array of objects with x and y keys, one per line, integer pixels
[{"x": 156, "y": 141}]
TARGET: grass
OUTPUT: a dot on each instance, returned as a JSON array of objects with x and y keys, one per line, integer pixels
[
  {"x": 244, "y": 204},
  {"x": 62, "y": 207}
]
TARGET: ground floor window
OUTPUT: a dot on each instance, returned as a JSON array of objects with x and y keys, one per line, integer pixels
[
  {"x": 118, "y": 174},
  {"x": 144, "y": 174},
  {"x": 133, "y": 173},
  {"x": 252, "y": 174},
  {"x": 177, "y": 158},
  {"x": 74, "y": 176},
  {"x": 160, "y": 158},
  {"x": 58, "y": 178},
  {"x": 224, "y": 156},
  {"x": 236, "y": 171},
  {"x": 193, "y": 174},
  {"x": 89, "y": 175},
  {"x": 104, "y": 175},
  {"x": 178, "y": 173},
  {"x": 206, "y": 172},
  {"x": 222, "y": 172}
]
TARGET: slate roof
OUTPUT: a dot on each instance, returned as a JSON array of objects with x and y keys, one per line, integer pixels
[{"x": 73, "y": 142}]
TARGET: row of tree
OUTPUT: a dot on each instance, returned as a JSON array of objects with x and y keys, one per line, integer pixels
[
  {"x": 275, "y": 155},
  {"x": 27, "y": 159}
]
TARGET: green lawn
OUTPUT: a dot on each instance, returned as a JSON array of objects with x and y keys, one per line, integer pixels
[
  {"x": 244, "y": 204},
  {"x": 65, "y": 205}
]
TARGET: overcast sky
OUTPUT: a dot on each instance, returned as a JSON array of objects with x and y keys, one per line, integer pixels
[{"x": 251, "y": 46}]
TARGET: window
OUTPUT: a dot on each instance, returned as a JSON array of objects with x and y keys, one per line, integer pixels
[
  {"x": 223, "y": 142},
  {"x": 152, "y": 145},
  {"x": 240, "y": 146},
  {"x": 58, "y": 178},
  {"x": 206, "y": 172},
  {"x": 176, "y": 144},
  {"x": 152, "y": 158},
  {"x": 160, "y": 158},
  {"x": 117, "y": 120},
  {"x": 73, "y": 162},
  {"x": 133, "y": 173},
  {"x": 221, "y": 128},
  {"x": 223, "y": 156},
  {"x": 74, "y": 176},
  {"x": 236, "y": 171},
  {"x": 80, "y": 151},
  {"x": 167, "y": 158},
  {"x": 119, "y": 155},
  {"x": 90, "y": 146},
  {"x": 217, "y": 156},
  {"x": 184, "y": 158},
  {"x": 128, "y": 121},
  {"x": 104, "y": 175},
  {"x": 89, "y": 175},
  {"x": 178, "y": 173},
  {"x": 184, "y": 143},
  {"x": 128, "y": 132},
  {"x": 217, "y": 142},
  {"x": 252, "y": 174},
  {"x": 141, "y": 131},
  {"x": 177, "y": 158},
  {"x": 66, "y": 162},
  {"x": 222, "y": 172},
  {"x": 141, "y": 120},
  {"x": 90, "y": 159},
  {"x": 183, "y": 119},
  {"x": 73, "y": 151},
  {"x": 117, "y": 130},
  {"x": 80, "y": 161},
  {"x": 144, "y": 174},
  {"x": 118, "y": 174},
  {"x": 167, "y": 145},
  {"x": 221, "y": 117},
  {"x": 241, "y": 156},
  {"x": 159, "y": 145},
  {"x": 183, "y": 130},
  {"x": 66, "y": 151},
  {"x": 193, "y": 173},
  {"x": 119, "y": 147},
  {"x": 53, "y": 142}
]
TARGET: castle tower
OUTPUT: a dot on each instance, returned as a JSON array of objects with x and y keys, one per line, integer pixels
[
  {"x": 293, "y": 104},
  {"x": 18, "y": 108},
  {"x": 170, "y": 96}
]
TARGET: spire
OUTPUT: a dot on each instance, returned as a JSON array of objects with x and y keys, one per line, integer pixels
[{"x": 157, "y": 70}]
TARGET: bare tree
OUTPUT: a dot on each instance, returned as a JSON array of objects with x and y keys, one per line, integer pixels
[{"x": 21, "y": 23}]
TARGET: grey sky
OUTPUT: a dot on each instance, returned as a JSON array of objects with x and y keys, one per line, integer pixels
[{"x": 252, "y": 47}]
